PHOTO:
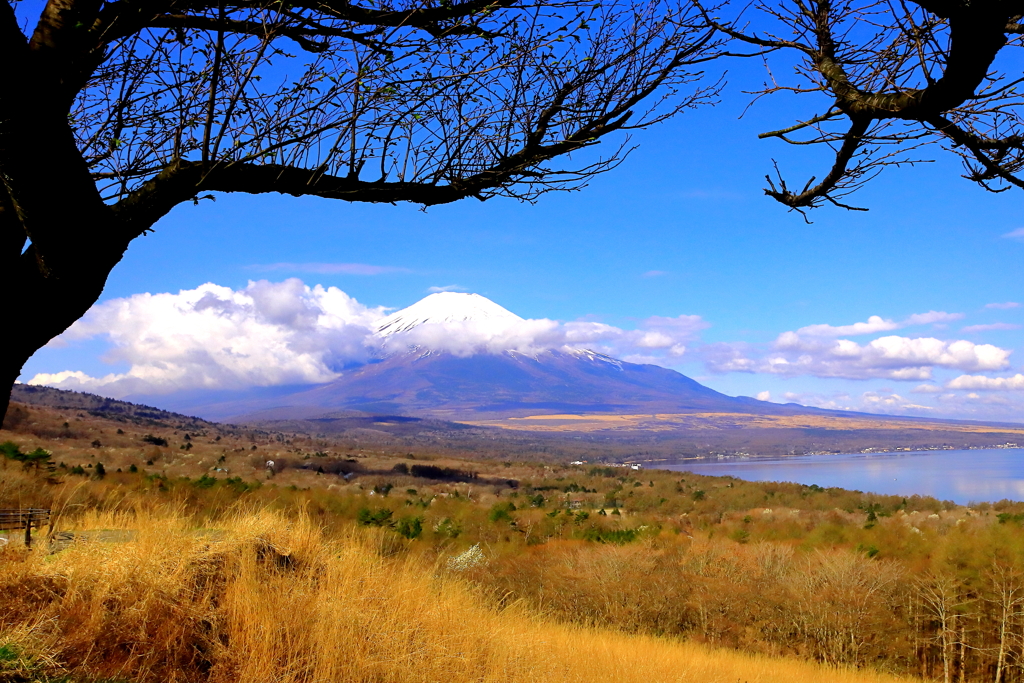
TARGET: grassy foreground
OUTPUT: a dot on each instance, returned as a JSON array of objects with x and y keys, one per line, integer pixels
[{"x": 268, "y": 598}]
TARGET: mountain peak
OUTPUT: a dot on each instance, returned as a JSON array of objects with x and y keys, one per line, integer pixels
[{"x": 448, "y": 307}]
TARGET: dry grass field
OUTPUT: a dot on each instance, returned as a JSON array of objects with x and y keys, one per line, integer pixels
[{"x": 262, "y": 597}]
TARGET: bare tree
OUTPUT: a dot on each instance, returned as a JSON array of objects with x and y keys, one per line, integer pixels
[
  {"x": 889, "y": 76},
  {"x": 113, "y": 113},
  {"x": 840, "y": 604},
  {"x": 946, "y": 606},
  {"x": 1006, "y": 582}
]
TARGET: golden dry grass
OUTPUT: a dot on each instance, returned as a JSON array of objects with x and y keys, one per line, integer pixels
[{"x": 264, "y": 598}]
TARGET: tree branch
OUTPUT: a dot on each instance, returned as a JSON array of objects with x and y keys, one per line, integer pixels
[
  {"x": 809, "y": 197},
  {"x": 799, "y": 126},
  {"x": 977, "y": 146},
  {"x": 301, "y": 35}
]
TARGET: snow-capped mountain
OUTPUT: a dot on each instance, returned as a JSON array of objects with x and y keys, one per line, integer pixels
[
  {"x": 449, "y": 307},
  {"x": 462, "y": 356}
]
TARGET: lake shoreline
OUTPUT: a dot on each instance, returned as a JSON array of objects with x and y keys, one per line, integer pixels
[{"x": 964, "y": 476}]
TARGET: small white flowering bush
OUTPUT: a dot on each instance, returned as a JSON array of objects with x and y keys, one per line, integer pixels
[{"x": 473, "y": 557}]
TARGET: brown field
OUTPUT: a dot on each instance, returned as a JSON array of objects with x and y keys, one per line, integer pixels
[{"x": 671, "y": 422}]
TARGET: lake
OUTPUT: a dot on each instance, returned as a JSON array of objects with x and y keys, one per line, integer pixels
[{"x": 960, "y": 476}]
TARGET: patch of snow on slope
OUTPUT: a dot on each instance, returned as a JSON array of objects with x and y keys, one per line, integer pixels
[{"x": 594, "y": 356}]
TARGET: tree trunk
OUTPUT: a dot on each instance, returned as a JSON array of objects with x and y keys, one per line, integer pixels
[
  {"x": 39, "y": 308},
  {"x": 58, "y": 239}
]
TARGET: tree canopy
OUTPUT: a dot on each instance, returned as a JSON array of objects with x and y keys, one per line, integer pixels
[
  {"x": 114, "y": 112},
  {"x": 889, "y": 78}
]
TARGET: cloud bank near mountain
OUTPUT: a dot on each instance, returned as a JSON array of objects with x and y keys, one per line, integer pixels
[
  {"x": 214, "y": 337},
  {"x": 281, "y": 333}
]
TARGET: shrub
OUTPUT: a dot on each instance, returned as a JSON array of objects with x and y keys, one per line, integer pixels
[
  {"x": 37, "y": 458},
  {"x": 740, "y": 535},
  {"x": 616, "y": 536},
  {"x": 155, "y": 440},
  {"x": 205, "y": 482},
  {"x": 502, "y": 512},
  {"x": 447, "y": 527},
  {"x": 410, "y": 527},
  {"x": 367, "y": 517}
]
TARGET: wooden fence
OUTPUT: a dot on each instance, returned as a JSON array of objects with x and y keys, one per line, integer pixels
[{"x": 24, "y": 518}]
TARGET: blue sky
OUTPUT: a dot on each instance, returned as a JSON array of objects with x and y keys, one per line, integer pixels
[{"x": 681, "y": 228}]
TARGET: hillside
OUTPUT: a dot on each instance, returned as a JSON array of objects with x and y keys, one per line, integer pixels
[
  {"x": 552, "y": 437},
  {"x": 645, "y": 557},
  {"x": 98, "y": 406}
]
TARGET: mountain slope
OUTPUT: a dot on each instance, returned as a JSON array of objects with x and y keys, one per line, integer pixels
[{"x": 443, "y": 385}]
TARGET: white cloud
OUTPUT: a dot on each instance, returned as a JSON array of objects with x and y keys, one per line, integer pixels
[
  {"x": 764, "y": 396},
  {"x": 980, "y": 382},
  {"x": 931, "y": 318},
  {"x": 215, "y": 337},
  {"x": 1017, "y": 234},
  {"x": 883, "y": 401},
  {"x": 894, "y": 357},
  {"x": 269, "y": 334},
  {"x": 467, "y": 338},
  {"x": 989, "y": 327},
  {"x": 926, "y": 389},
  {"x": 729, "y": 357},
  {"x": 891, "y": 357},
  {"x": 875, "y": 324},
  {"x": 446, "y": 288},
  {"x": 889, "y": 402},
  {"x": 815, "y": 350},
  {"x": 1004, "y": 306},
  {"x": 658, "y": 339}
]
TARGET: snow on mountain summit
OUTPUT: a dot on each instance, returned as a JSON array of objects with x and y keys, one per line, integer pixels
[{"x": 449, "y": 307}]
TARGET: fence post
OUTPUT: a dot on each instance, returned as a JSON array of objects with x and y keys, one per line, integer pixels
[{"x": 28, "y": 531}]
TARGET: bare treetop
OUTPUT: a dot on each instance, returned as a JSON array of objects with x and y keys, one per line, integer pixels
[
  {"x": 375, "y": 103},
  {"x": 889, "y": 77}
]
